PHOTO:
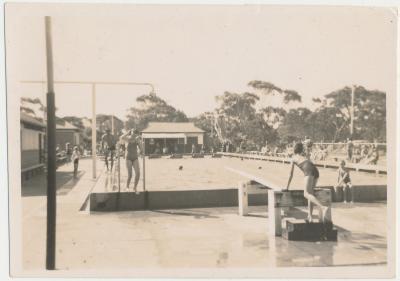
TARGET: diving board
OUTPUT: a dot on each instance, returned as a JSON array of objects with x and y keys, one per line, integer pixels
[
  {"x": 263, "y": 181},
  {"x": 278, "y": 198}
]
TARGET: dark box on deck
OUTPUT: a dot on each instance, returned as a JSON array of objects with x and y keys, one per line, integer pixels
[{"x": 302, "y": 230}]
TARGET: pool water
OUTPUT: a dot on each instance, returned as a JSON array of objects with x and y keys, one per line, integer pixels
[{"x": 211, "y": 173}]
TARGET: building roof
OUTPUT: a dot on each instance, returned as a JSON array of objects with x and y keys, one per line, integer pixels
[
  {"x": 66, "y": 126},
  {"x": 172, "y": 127},
  {"x": 26, "y": 118}
]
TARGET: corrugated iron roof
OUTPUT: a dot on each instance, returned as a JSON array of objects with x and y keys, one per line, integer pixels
[
  {"x": 26, "y": 118},
  {"x": 66, "y": 126},
  {"x": 172, "y": 127}
]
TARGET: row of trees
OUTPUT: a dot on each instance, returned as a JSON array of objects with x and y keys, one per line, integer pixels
[{"x": 248, "y": 117}]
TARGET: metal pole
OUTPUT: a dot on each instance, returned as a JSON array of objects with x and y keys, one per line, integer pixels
[
  {"x": 112, "y": 124},
  {"x": 144, "y": 165},
  {"x": 146, "y": 194},
  {"x": 51, "y": 154},
  {"x": 352, "y": 111},
  {"x": 94, "y": 133},
  {"x": 119, "y": 169}
]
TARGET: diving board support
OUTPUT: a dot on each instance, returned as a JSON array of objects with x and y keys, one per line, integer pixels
[
  {"x": 274, "y": 213},
  {"x": 274, "y": 207},
  {"x": 243, "y": 199}
]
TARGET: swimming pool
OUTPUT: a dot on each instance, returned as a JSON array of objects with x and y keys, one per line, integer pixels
[{"x": 211, "y": 173}]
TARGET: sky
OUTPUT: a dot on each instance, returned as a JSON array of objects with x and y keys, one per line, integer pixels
[{"x": 193, "y": 53}]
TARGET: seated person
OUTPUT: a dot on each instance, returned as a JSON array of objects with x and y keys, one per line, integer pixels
[
  {"x": 344, "y": 183},
  {"x": 165, "y": 150}
]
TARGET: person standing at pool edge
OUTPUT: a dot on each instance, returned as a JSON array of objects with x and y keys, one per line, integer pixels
[
  {"x": 75, "y": 159},
  {"x": 108, "y": 146},
  {"x": 132, "y": 142},
  {"x": 311, "y": 176}
]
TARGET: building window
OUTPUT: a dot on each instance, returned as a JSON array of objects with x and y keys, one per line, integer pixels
[
  {"x": 29, "y": 140},
  {"x": 192, "y": 140}
]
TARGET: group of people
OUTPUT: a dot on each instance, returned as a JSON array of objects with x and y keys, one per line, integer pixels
[
  {"x": 362, "y": 153},
  {"x": 301, "y": 159},
  {"x": 156, "y": 149},
  {"x": 130, "y": 143},
  {"x": 70, "y": 155}
]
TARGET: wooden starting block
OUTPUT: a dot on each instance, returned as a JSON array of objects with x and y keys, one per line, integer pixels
[
  {"x": 278, "y": 199},
  {"x": 301, "y": 230},
  {"x": 197, "y": 155},
  {"x": 176, "y": 156}
]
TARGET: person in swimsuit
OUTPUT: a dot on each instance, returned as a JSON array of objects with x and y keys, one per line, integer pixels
[
  {"x": 132, "y": 142},
  {"x": 311, "y": 176},
  {"x": 108, "y": 143}
]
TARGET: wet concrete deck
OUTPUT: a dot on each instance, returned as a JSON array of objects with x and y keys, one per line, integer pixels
[
  {"x": 198, "y": 238},
  {"x": 213, "y": 238}
]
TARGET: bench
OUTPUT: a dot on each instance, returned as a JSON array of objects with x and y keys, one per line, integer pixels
[
  {"x": 28, "y": 172},
  {"x": 62, "y": 159},
  {"x": 216, "y": 155},
  {"x": 278, "y": 199},
  {"x": 154, "y": 156}
]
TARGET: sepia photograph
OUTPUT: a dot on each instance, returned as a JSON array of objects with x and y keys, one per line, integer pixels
[{"x": 212, "y": 141}]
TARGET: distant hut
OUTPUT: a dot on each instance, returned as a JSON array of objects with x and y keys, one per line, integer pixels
[
  {"x": 177, "y": 137},
  {"x": 32, "y": 133}
]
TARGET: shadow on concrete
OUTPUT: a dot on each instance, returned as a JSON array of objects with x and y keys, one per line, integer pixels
[
  {"x": 195, "y": 214},
  {"x": 37, "y": 186},
  {"x": 367, "y": 241},
  {"x": 257, "y": 216}
]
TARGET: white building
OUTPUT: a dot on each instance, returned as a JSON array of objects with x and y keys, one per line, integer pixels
[{"x": 176, "y": 137}]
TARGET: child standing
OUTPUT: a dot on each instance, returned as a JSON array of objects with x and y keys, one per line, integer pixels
[
  {"x": 344, "y": 183},
  {"x": 75, "y": 159}
]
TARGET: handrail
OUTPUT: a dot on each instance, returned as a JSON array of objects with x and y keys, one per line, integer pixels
[{"x": 355, "y": 166}]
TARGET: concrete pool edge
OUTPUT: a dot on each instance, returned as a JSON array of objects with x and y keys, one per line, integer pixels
[{"x": 179, "y": 199}]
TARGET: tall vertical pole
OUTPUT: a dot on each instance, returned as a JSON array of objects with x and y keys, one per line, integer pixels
[
  {"x": 146, "y": 194},
  {"x": 94, "y": 134},
  {"x": 144, "y": 163},
  {"x": 352, "y": 111},
  {"x": 51, "y": 153},
  {"x": 112, "y": 125}
]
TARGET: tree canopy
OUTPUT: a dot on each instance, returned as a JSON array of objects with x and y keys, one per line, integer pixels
[
  {"x": 239, "y": 118},
  {"x": 152, "y": 108}
]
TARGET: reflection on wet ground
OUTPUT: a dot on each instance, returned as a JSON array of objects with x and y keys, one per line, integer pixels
[{"x": 218, "y": 237}]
